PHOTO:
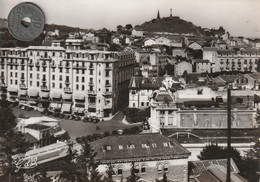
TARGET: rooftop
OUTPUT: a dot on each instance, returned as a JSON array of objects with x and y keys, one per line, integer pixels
[{"x": 150, "y": 146}]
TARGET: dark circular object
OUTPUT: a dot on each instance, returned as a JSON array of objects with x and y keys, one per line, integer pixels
[{"x": 26, "y": 21}]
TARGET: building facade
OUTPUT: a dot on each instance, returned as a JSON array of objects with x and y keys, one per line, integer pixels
[
  {"x": 152, "y": 155},
  {"x": 90, "y": 81}
]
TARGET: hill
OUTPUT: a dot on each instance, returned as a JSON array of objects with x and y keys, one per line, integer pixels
[{"x": 172, "y": 25}]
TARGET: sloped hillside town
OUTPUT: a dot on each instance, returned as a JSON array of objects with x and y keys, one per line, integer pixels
[{"x": 141, "y": 103}]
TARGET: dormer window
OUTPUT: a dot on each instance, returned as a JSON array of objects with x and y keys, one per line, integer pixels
[
  {"x": 120, "y": 147},
  {"x": 154, "y": 145},
  {"x": 165, "y": 144},
  {"x": 108, "y": 147}
]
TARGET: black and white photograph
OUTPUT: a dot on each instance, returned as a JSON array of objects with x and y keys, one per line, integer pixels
[{"x": 129, "y": 91}]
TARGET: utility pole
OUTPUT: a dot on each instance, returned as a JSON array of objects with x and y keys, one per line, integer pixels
[{"x": 228, "y": 133}]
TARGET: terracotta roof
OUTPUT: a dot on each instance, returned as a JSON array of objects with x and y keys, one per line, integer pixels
[{"x": 151, "y": 146}]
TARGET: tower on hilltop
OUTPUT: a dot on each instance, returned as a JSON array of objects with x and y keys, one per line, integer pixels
[{"x": 158, "y": 15}]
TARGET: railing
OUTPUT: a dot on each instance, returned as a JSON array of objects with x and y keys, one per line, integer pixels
[
  {"x": 92, "y": 104},
  {"x": 44, "y": 88},
  {"x": 23, "y": 86},
  {"x": 91, "y": 92},
  {"x": 67, "y": 90}
]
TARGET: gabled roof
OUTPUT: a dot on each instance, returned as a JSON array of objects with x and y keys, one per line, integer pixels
[
  {"x": 150, "y": 146},
  {"x": 197, "y": 167}
]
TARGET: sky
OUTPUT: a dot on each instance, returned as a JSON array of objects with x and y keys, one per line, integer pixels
[{"x": 239, "y": 17}]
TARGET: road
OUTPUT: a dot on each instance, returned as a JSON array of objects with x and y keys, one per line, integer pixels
[{"x": 79, "y": 128}]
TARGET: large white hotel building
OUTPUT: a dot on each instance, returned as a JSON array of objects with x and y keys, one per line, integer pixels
[{"x": 85, "y": 81}]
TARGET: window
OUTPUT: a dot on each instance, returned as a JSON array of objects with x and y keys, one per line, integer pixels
[
  {"x": 165, "y": 144},
  {"x": 154, "y": 145},
  {"x": 144, "y": 145},
  {"x": 11, "y": 74},
  {"x": 165, "y": 169},
  {"x": 53, "y": 77},
  {"x": 119, "y": 170},
  {"x": 142, "y": 103},
  {"x": 16, "y": 74},
  {"x": 77, "y": 86},
  {"x": 38, "y": 76},
  {"x": 15, "y": 82},
  {"x": 31, "y": 75},
  {"x": 136, "y": 169},
  {"x": 143, "y": 168},
  {"x": 11, "y": 81},
  {"x": 53, "y": 85},
  {"x": 159, "y": 168},
  {"x": 60, "y": 78},
  {"x": 83, "y": 71},
  {"x": 108, "y": 147},
  {"x": 83, "y": 79},
  {"x": 91, "y": 72},
  {"x": 38, "y": 68},
  {"x": 239, "y": 100},
  {"x": 77, "y": 78},
  {"x": 60, "y": 70},
  {"x": 77, "y": 71},
  {"x": 53, "y": 54},
  {"x": 133, "y": 92},
  {"x": 162, "y": 112},
  {"x": 44, "y": 69},
  {"x": 120, "y": 147},
  {"x": 38, "y": 83},
  {"x": 60, "y": 85},
  {"x": 30, "y": 83},
  {"x": 83, "y": 87},
  {"x": 133, "y": 104}
]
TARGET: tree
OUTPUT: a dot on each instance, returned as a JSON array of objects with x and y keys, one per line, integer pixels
[
  {"x": 87, "y": 164},
  {"x": 128, "y": 27},
  {"x": 120, "y": 28},
  {"x": 164, "y": 177},
  {"x": 133, "y": 177},
  {"x": 109, "y": 173},
  {"x": 69, "y": 166},
  {"x": 12, "y": 143}
]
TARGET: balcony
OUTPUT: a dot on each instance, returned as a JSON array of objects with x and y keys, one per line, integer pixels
[
  {"x": 91, "y": 67},
  {"x": 108, "y": 85},
  {"x": 2, "y": 77},
  {"x": 92, "y": 104},
  {"x": 44, "y": 65},
  {"x": 2, "y": 62},
  {"x": 3, "y": 85},
  {"x": 108, "y": 68},
  {"x": 45, "y": 57},
  {"x": 67, "y": 65},
  {"x": 60, "y": 65},
  {"x": 45, "y": 88},
  {"x": 53, "y": 65},
  {"x": 37, "y": 64},
  {"x": 91, "y": 92},
  {"x": 67, "y": 90},
  {"x": 91, "y": 83},
  {"x": 107, "y": 93},
  {"x": 67, "y": 82},
  {"x": 44, "y": 80},
  {"x": 108, "y": 106},
  {"x": 23, "y": 86},
  {"x": 30, "y": 64}
]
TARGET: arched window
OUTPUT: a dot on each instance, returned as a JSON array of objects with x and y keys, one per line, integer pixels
[
  {"x": 165, "y": 169},
  {"x": 159, "y": 168},
  {"x": 136, "y": 169},
  {"x": 143, "y": 168},
  {"x": 119, "y": 170}
]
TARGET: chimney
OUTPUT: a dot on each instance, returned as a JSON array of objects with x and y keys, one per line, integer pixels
[{"x": 171, "y": 12}]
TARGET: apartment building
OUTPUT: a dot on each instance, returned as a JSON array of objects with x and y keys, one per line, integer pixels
[
  {"x": 244, "y": 60},
  {"x": 90, "y": 82}
]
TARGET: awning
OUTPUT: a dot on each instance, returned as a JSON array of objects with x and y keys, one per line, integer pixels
[
  {"x": 56, "y": 95},
  {"x": 65, "y": 107},
  {"x": 33, "y": 93},
  {"x": 23, "y": 92},
  {"x": 12, "y": 89},
  {"x": 79, "y": 96},
  {"x": 44, "y": 94},
  {"x": 67, "y": 97},
  {"x": 79, "y": 110},
  {"x": 55, "y": 105}
]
